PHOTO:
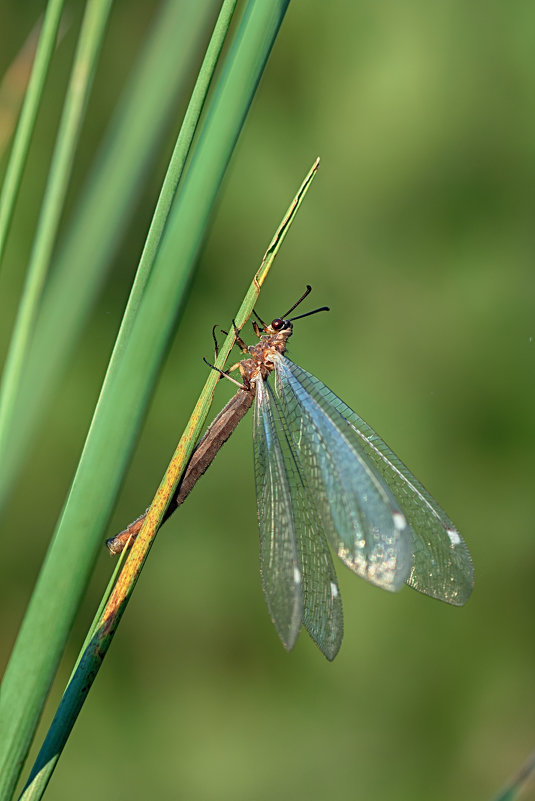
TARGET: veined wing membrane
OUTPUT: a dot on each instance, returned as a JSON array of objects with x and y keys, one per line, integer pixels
[
  {"x": 322, "y": 602},
  {"x": 360, "y": 517},
  {"x": 279, "y": 559},
  {"x": 441, "y": 563},
  {"x": 297, "y": 570}
]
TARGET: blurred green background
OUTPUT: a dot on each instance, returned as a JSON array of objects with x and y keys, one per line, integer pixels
[{"x": 418, "y": 233}]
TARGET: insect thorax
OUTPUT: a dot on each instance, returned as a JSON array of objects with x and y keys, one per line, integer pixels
[{"x": 261, "y": 361}]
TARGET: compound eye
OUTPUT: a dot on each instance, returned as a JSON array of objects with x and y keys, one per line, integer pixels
[{"x": 278, "y": 324}]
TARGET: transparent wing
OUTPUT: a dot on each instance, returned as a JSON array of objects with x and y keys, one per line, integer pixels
[
  {"x": 441, "y": 563},
  {"x": 279, "y": 559},
  {"x": 297, "y": 571},
  {"x": 359, "y": 515},
  {"x": 322, "y": 602}
]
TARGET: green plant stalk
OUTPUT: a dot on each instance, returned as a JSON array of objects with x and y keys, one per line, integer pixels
[
  {"x": 83, "y": 71},
  {"x": 180, "y": 153},
  {"x": 124, "y": 398},
  {"x": 519, "y": 782},
  {"x": 91, "y": 660},
  {"x": 28, "y": 114},
  {"x": 101, "y": 215}
]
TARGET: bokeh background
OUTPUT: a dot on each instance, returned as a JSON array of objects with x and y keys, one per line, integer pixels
[{"x": 418, "y": 233}]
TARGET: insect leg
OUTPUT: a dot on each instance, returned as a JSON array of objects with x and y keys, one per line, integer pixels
[{"x": 225, "y": 374}]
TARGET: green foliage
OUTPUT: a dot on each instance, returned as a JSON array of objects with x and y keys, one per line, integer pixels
[
  {"x": 419, "y": 236},
  {"x": 157, "y": 297}
]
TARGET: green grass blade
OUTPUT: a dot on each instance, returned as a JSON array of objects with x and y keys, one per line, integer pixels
[
  {"x": 102, "y": 214},
  {"x": 125, "y": 395},
  {"x": 519, "y": 782},
  {"x": 181, "y": 151},
  {"x": 82, "y": 74},
  {"x": 28, "y": 114},
  {"x": 95, "y": 651}
]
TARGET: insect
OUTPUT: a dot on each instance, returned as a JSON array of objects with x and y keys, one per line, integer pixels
[{"x": 325, "y": 480}]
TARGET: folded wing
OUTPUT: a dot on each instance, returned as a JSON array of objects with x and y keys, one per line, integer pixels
[
  {"x": 429, "y": 553},
  {"x": 297, "y": 570}
]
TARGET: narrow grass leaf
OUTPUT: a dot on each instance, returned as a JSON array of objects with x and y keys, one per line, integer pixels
[
  {"x": 28, "y": 114},
  {"x": 83, "y": 70},
  {"x": 94, "y": 652},
  {"x": 519, "y": 782},
  {"x": 125, "y": 395},
  {"x": 103, "y": 212}
]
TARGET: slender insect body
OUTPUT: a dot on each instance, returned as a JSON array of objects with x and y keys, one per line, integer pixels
[{"x": 325, "y": 478}]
